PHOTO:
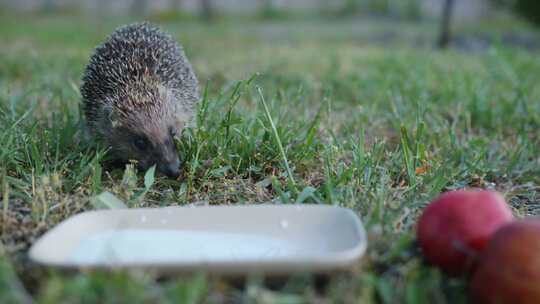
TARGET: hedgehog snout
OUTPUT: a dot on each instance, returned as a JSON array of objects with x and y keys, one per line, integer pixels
[
  {"x": 168, "y": 161},
  {"x": 171, "y": 169}
]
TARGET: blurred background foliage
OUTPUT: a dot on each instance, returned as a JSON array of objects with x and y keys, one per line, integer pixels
[
  {"x": 529, "y": 9},
  {"x": 410, "y": 9},
  {"x": 448, "y": 12}
]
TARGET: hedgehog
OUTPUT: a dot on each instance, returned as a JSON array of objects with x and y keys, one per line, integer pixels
[{"x": 138, "y": 93}]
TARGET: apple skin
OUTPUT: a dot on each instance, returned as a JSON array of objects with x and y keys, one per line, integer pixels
[
  {"x": 509, "y": 269},
  {"x": 456, "y": 227}
]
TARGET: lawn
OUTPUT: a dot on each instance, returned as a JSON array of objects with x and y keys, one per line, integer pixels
[{"x": 368, "y": 114}]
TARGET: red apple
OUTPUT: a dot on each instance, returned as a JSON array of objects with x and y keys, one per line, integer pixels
[
  {"x": 456, "y": 227},
  {"x": 509, "y": 269}
]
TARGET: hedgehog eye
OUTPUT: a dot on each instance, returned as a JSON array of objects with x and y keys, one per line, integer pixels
[{"x": 140, "y": 143}]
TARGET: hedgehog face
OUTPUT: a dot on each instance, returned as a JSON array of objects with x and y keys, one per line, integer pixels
[
  {"x": 147, "y": 148},
  {"x": 160, "y": 151},
  {"x": 143, "y": 126}
]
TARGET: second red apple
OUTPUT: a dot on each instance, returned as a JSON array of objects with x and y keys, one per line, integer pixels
[{"x": 456, "y": 227}]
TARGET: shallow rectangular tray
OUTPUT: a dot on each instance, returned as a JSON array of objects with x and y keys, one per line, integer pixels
[{"x": 273, "y": 239}]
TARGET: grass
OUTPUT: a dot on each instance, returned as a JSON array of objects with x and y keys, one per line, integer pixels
[{"x": 300, "y": 112}]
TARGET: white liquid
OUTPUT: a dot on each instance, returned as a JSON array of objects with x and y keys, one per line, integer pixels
[{"x": 170, "y": 246}]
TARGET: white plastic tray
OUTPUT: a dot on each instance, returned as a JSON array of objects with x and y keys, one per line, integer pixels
[{"x": 274, "y": 239}]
